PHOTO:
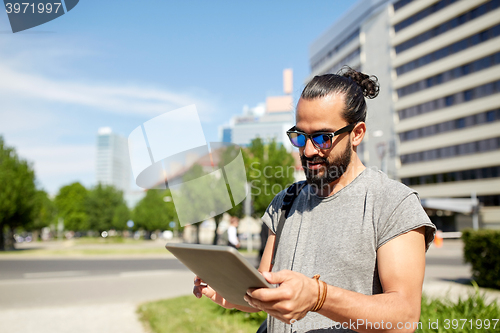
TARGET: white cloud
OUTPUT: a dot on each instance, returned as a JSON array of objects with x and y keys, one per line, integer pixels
[
  {"x": 58, "y": 165},
  {"x": 44, "y": 115},
  {"x": 61, "y": 159},
  {"x": 117, "y": 99}
]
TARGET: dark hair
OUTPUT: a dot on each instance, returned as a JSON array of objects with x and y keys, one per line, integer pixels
[{"x": 354, "y": 85}]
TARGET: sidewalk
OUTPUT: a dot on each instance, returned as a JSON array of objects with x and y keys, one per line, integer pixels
[{"x": 447, "y": 279}]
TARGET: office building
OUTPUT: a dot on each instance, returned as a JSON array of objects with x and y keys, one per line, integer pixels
[
  {"x": 441, "y": 60},
  {"x": 447, "y": 66},
  {"x": 268, "y": 121},
  {"x": 112, "y": 163},
  {"x": 361, "y": 40}
]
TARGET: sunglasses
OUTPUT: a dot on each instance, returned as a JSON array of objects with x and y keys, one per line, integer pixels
[{"x": 321, "y": 140}]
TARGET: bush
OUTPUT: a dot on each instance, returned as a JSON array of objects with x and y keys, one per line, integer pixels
[
  {"x": 482, "y": 251},
  {"x": 472, "y": 314}
]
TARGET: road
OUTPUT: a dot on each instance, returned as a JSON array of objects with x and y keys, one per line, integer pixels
[
  {"x": 100, "y": 295},
  {"x": 84, "y": 295},
  {"x": 53, "y": 268}
]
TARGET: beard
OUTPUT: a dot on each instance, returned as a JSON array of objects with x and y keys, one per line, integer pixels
[{"x": 330, "y": 171}]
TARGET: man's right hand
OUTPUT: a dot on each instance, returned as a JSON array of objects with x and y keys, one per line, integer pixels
[{"x": 201, "y": 288}]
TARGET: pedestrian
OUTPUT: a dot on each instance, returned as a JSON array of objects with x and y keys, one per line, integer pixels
[
  {"x": 232, "y": 233},
  {"x": 351, "y": 256}
]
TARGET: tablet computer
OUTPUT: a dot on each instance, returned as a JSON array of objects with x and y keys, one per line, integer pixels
[{"x": 221, "y": 267}]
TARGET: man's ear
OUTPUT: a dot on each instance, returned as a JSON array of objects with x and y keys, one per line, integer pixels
[{"x": 358, "y": 133}]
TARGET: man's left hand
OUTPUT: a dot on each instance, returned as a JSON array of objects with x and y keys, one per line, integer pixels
[{"x": 292, "y": 299}]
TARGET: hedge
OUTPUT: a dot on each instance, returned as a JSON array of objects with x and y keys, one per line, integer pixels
[{"x": 482, "y": 251}]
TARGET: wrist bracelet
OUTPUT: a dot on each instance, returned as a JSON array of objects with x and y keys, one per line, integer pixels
[{"x": 321, "y": 296}]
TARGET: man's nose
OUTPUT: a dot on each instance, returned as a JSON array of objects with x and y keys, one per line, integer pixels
[{"x": 310, "y": 149}]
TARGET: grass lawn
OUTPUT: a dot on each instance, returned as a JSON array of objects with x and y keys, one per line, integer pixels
[
  {"x": 88, "y": 246},
  {"x": 188, "y": 314},
  {"x": 84, "y": 252},
  {"x": 467, "y": 315}
]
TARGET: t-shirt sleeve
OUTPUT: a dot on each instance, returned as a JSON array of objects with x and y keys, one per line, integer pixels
[
  {"x": 272, "y": 213},
  {"x": 408, "y": 215}
]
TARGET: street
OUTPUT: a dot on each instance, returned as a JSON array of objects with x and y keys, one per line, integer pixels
[
  {"x": 52, "y": 268},
  {"x": 84, "y": 295},
  {"x": 101, "y": 294}
]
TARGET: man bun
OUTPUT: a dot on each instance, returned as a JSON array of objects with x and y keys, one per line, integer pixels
[
  {"x": 354, "y": 86},
  {"x": 368, "y": 83}
]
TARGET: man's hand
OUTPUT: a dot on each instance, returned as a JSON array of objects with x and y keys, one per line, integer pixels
[
  {"x": 201, "y": 288},
  {"x": 295, "y": 296}
]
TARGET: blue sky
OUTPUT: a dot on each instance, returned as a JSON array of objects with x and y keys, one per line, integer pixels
[{"x": 120, "y": 63}]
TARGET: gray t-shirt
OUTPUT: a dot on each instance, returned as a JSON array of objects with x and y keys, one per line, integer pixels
[{"x": 338, "y": 236}]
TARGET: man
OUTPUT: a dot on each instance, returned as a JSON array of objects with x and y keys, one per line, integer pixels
[
  {"x": 232, "y": 233},
  {"x": 364, "y": 234}
]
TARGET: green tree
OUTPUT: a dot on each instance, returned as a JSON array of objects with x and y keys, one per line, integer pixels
[
  {"x": 122, "y": 215},
  {"x": 46, "y": 213},
  {"x": 102, "y": 204},
  {"x": 154, "y": 212},
  {"x": 71, "y": 206},
  {"x": 199, "y": 198},
  {"x": 270, "y": 169},
  {"x": 17, "y": 193}
]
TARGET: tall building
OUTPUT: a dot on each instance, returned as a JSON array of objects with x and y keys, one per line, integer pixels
[
  {"x": 361, "y": 40},
  {"x": 439, "y": 67},
  {"x": 447, "y": 84},
  {"x": 268, "y": 121},
  {"x": 113, "y": 164}
]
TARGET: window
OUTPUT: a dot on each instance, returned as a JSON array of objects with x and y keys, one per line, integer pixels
[
  {"x": 420, "y": 15},
  {"x": 461, "y": 97},
  {"x": 483, "y": 173},
  {"x": 449, "y": 50},
  {"x": 490, "y": 116},
  {"x": 449, "y": 25},
  {"x": 452, "y": 151}
]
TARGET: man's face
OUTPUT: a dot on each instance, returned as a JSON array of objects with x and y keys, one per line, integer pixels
[{"x": 323, "y": 166}]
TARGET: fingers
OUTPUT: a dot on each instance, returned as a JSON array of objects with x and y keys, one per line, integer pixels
[
  {"x": 198, "y": 281},
  {"x": 200, "y": 288},
  {"x": 277, "y": 277},
  {"x": 271, "y": 294}
]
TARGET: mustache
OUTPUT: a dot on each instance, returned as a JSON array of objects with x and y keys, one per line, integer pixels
[{"x": 315, "y": 159}]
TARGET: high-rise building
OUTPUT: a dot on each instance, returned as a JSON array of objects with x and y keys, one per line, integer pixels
[
  {"x": 113, "y": 164},
  {"x": 447, "y": 70},
  {"x": 268, "y": 121},
  {"x": 361, "y": 40},
  {"x": 439, "y": 65}
]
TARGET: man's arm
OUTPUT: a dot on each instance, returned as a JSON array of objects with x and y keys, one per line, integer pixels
[
  {"x": 232, "y": 235},
  {"x": 267, "y": 255},
  {"x": 401, "y": 266}
]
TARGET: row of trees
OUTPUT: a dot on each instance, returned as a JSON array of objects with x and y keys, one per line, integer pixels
[{"x": 269, "y": 169}]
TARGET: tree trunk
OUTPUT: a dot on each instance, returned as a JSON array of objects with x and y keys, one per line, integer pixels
[
  {"x": 198, "y": 233},
  {"x": 2, "y": 239},
  {"x": 217, "y": 220},
  {"x": 9, "y": 239}
]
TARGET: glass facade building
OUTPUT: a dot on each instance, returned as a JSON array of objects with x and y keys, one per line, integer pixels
[
  {"x": 112, "y": 162},
  {"x": 446, "y": 69},
  {"x": 437, "y": 114}
]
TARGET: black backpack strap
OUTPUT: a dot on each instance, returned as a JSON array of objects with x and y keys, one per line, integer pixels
[{"x": 291, "y": 193}]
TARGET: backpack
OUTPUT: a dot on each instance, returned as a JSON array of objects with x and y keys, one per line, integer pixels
[{"x": 291, "y": 193}]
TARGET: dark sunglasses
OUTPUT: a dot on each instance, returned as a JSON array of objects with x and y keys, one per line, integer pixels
[{"x": 321, "y": 140}]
